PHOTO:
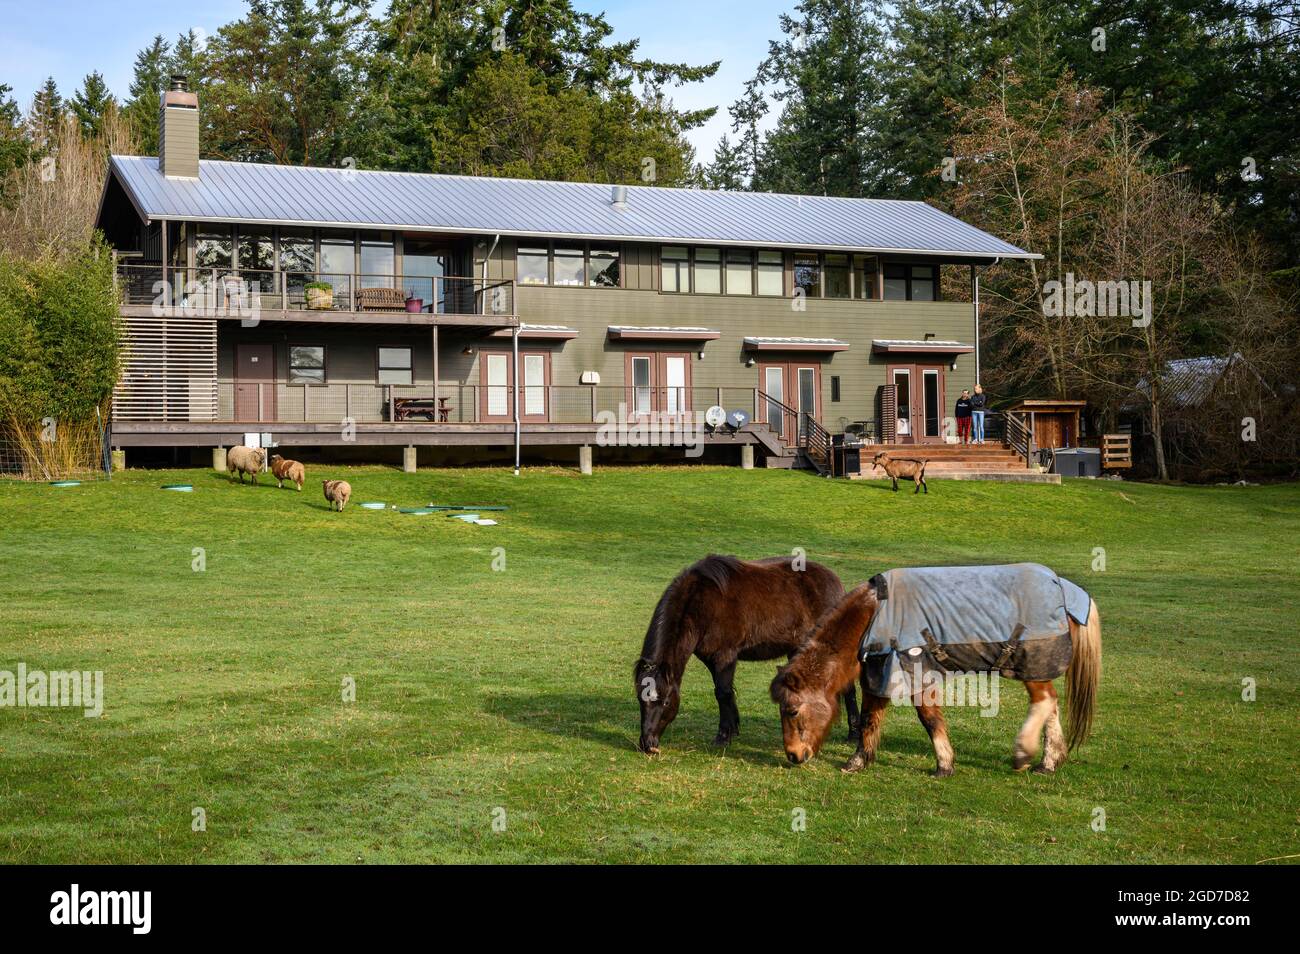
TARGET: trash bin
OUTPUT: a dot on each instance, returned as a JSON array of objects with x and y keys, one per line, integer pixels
[{"x": 1077, "y": 461}]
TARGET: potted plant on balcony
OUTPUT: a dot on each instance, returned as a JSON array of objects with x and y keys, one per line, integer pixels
[
  {"x": 413, "y": 304},
  {"x": 320, "y": 295}
]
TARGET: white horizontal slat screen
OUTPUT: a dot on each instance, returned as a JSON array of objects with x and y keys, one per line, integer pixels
[{"x": 169, "y": 370}]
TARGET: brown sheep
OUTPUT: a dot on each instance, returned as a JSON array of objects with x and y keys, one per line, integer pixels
[
  {"x": 337, "y": 493},
  {"x": 905, "y": 467},
  {"x": 245, "y": 460},
  {"x": 289, "y": 470}
]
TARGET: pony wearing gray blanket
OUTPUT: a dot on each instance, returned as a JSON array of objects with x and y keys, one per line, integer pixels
[{"x": 906, "y": 631}]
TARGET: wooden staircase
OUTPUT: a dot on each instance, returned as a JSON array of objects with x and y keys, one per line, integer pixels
[{"x": 992, "y": 461}]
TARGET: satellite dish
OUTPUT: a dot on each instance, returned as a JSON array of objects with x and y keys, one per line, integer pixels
[
  {"x": 738, "y": 419},
  {"x": 715, "y": 416}
]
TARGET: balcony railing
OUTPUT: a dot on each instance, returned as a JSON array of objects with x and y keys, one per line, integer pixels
[
  {"x": 248, "y": 292},
  {"x": 337, "y": 403}
]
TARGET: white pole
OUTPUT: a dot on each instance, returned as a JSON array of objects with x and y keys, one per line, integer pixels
[
  {"x": 514, "y": 338},
  {"x": 975, "y": 281}
]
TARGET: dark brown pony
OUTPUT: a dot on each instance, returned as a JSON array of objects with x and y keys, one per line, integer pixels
[
  {"x": 806, "y": 690},
  {"x": 722, "y": 610}
]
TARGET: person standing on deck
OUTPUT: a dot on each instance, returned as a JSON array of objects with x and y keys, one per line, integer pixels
[
  {"x": 978, "y": 404},
  {"x": 963, "y": 417}
]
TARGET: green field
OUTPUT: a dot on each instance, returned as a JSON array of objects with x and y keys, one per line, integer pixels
[{"x": 507, "y": 695}]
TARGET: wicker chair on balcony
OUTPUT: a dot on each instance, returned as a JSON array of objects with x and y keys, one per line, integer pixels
[{"x": 381, "y": 299}]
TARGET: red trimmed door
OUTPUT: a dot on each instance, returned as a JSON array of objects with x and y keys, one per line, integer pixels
[
  {"x": 657, "y": 382},
  {"x": 797, "y": 385},
  {"x": 254, "y": 382},
  {"x": 497, "y": 378},
  {"x": 921, "y": 402}
]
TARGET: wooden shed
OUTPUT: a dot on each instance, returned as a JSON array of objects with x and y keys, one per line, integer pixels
[{"x": 1053, "y": 423}]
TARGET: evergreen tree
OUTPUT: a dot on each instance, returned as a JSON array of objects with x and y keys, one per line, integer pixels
[
  {"x": 45, "y": 115},
  {"x": 147, "y": 83},
  {"x": 91, "y": 103}
]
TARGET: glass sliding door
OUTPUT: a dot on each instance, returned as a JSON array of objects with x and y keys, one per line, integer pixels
[
  {"x": 423, "y": 264},
  {"x": 807, "y": 397},
  {"x": 902, "y": 378},
  {"x": 642, "y": 390},
  {"x": 933, "y": 407},
  {"x": 674, "y": 383}
]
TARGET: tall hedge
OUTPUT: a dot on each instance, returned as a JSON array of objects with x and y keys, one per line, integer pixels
[{"x": 59, "y": 335}]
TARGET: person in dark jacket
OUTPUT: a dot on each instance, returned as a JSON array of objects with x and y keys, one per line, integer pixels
[
  {"x": 978, "y": 404},
  {"x": 963, "y": 417}
]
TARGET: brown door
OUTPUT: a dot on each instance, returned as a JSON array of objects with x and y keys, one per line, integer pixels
[
  {"x": 921, "y": 402},
  {"x": 798, "y": 386},
  {"x": 254, "y": 382},
  {"x": 497, "y": 378},
  {"x": 657, "y": 383}
]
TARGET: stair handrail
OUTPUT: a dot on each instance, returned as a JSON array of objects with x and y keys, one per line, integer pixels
[
  {"x": 812, "y": 438},
  {"x": 1018, "y": 436}
]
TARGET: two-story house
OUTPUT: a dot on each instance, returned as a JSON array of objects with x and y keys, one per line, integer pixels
[{"x": 322, "y": 307}]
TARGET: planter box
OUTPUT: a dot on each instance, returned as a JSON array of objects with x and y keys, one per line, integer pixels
[{"x": 320, "y": 299}]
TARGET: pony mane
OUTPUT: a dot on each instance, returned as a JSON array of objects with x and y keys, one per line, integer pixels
[
  {"x": 715, "y": 570},
  {"x": 830, "y": 658}
]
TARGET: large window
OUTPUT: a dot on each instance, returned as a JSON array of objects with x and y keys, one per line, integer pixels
[
  {"x": 708, "y": 271},
  {"x": 836, "y": 271},
  {"x": 808, "y": 274},
  {"x": 570, "y": 267},
  {"x": 895, "y": 282},
  {"x": 533, "y": 265},
  {"x": 865, "y": 276},
  {"x": 306, "y": 364},
  {"x": 337, "y": 259},
  {"x": 213, "y": 248},
  {"x": 256, "y": 250},
  {"x": 923, "y": 283},
  {"x": 297, "y": 251},
  {"x": 740, "y": 271},
  {"x": 911, "y": 282},
  {"x": 378, "y": 261},
  {"x": 675, "y": 269},
  {"x": 771, "y": 273},
  {"x": 394, "y": 365},
  {"x": 604, "y": 270}
]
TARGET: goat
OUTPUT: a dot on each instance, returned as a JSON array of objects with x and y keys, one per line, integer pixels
[{"x": 896, "y": 467}]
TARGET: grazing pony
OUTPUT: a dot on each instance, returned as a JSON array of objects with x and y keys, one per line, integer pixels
[
  {"x": 722, "y": 610},
  {"x": 806, "y": 688}
]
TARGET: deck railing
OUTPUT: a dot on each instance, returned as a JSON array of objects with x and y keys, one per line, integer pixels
[
  {"x": 268, "y": 403},
  {"x": 244, "y": 292}
]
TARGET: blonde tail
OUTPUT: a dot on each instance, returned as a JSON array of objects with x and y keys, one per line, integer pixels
[{"x": 1082, "y": 677}]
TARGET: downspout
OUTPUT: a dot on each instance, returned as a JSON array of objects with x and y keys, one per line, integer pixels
[
  {"x": 975, "y": 297},
  {"x": 514, "y": 348}
]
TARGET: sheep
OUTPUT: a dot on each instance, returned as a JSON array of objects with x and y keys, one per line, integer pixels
[
  {"x": 245, "y": 460},
  {"x": 290, "y": 470},
  {"x": 896, "y": 467},
  {"x": 337, "y": 493}
]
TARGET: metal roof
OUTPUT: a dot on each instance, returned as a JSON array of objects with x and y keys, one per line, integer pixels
[{"x": 254, "y": 193}]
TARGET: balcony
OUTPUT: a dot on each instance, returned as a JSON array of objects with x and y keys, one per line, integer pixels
[{"x": 339, "y": 298}]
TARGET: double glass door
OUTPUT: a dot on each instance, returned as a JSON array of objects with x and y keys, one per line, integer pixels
[
  {"x": 919, "y": 390},
  {"x": 793, "y": 391}
]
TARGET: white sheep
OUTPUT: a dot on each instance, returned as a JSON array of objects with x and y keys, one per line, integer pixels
[{"x": 245, "y": 460}]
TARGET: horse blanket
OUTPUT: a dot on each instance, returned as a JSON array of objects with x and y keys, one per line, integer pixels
[{"x": 1010, "y": 619}]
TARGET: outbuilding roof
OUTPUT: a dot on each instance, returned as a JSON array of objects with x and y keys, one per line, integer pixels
[{"x": 255, "y": 193}]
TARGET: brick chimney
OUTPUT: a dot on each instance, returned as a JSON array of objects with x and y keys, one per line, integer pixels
[{"x": 178, "y": 131}]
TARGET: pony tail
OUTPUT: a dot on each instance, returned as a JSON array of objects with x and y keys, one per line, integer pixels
[{"x": 1082, "y": 677}]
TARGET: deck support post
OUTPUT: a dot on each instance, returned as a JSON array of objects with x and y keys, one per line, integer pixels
[
  {"x": 119, "y": 459},
  {"x": 408, "y": 458},
  {"x": 514, "y": 340},
  {"x": 219, "y": 459},
  {"x": 746, "y": 456},
  {"x": 435, "y": 368},
  {"x": 584, "y": 459}
]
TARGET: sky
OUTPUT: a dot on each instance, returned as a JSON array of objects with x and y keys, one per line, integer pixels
[{"x": 67, "y": 39}]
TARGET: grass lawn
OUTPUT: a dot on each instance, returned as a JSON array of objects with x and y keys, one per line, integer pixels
[{"x": 479, "y": 691}]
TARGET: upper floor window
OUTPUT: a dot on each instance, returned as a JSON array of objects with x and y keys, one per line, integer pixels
[
  {"x": 740, "y": 271},
  {"x": 378, "y": 260},
  {"x": 836, "y": 272},
  {"x": 708, "y": 271},
  {"x": 605, "y": 267},
  {"x": 808, "y": 274},
  {"x": 297, "y": 251},
  {"x": 866, "y": 274},
  {"x": 256, "y": 250},
  {"x": 895, "y": 282},
  {"x": 534, "y": 266},
  {"x": 570, "y": 265},
  {"x": 911, "y": 282},
  {"x": 771, "y": 273},
  {"x": 337, "y": 258},
  {"x": 675, "y": 269},
  {"x": 213, "y": 247}
]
